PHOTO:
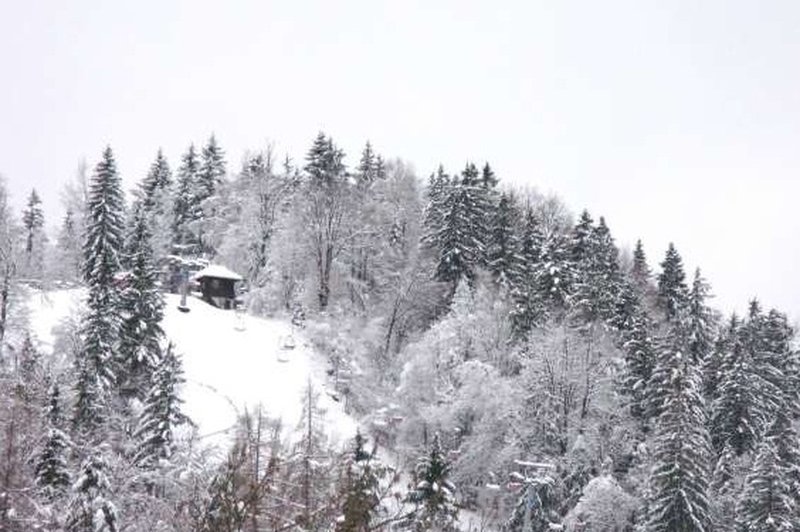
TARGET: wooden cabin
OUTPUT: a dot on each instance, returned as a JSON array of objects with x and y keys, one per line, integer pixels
[{"x": 218, "y": 285}]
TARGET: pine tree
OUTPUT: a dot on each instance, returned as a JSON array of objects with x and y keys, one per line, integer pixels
[
  {"x": 90, "y": 509},
  {"x": 186, "y": 208},
  {"x": 161, "y": 412},
  {"x": 489, "y": 180},
  {"x": 367, "y": 170},
  {"x": 555, "y": 273},
  {"x": 159, "y": 178},
  {"x": 50, "y": 467},
  {"x": 69, "y": 246},
  {"x": 581, "y": 244},
  {"x": 599, "y": 280},
  {"x": 640, "y": 271},
  {"x": 433, "y": 495},
  {"x": 536, "y": 509},
  {"x": 502, "y": 253},
  {"x": 639, "y": 349},
  {"x": 672, "y": 290},
  {"x": 328, "y": 204},
  {"x": 701, "y": 320},
  {"x": 463, "y": 232},
  {"x": 749, "y": 387},
  {"x": 100, "y": 329},
  {"x": 142, "y": 310},
  {"x": 438, "y": 189},
  {"x": 679, "y": 480},
  {"x": 769, "y": 502},
  {"x": 360, "y": 490},
  {"x": 212, "y": 170},
  {"x": 32, "y": 221},
  {"x": 528, "y": 294}
]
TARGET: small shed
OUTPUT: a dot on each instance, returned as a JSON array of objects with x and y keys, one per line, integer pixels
[{"x": 218, "y": 285}]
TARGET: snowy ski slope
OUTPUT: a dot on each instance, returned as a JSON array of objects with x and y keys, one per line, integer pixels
[{"x": 231, "y": 363}]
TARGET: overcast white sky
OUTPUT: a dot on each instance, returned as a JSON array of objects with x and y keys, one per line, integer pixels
[{"x": 676, "y": 120}]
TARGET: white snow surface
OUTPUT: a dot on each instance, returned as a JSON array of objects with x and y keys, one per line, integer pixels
[
  {"x": 219, "y": 271},
  {"x": 232, "y": 362}
]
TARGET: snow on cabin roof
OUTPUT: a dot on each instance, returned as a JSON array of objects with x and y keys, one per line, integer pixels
[{"x": 218, "y": 271}]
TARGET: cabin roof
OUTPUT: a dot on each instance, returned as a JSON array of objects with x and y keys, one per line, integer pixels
[{"x": 217, "y": 271}]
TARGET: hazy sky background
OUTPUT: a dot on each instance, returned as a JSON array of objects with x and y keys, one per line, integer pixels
[{"x": 676, "y": 120}]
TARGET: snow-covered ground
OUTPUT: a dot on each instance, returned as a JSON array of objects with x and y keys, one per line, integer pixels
[{"x": 231, "y": 363}]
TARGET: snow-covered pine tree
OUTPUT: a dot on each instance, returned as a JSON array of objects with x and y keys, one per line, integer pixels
[
  {"x": 555, "y": 273},
  {"x": 502, "y": 252},
  {"x": 712, "y": 367},
  {"x": 604, "y": 275},
  {"x": 50, "y": 465},
  {"x": 159, "y": 178},
  {"x": 678, "y": 499},
  {"x": 537, "y": 507},
  {"x": 701, "y": 320},
  {"x": 68, "y": 244},
  {"x": 142, "y": 307},
  {"x": 639, "y": 349},
  {"x": 90, "y": 509},
  {"x": 212, "y": 170},
  {"x": 366, "y": 172},
  {"x": 769, "y": 502},
  {"x": 463, "y": 232},
  {"x": 777, "y": 361},
  {"x": 360, "y": 489},
  {"x": 640, "y": 271},
  {"x": 672, "y": 291},
  {"x": 186, "y": 208},
  {"x": 738, "y": 408},
  {"x": 433, "y": 495},
  {"x": 100, "y": 329},
  {"x": 581, "y": 245},
  {"x": 35, "y": 238},
  {"x": 438, "y": 189},
  {"x": 530, "y": 298},
  {"x": 327, "y": 210},
  {"x": 162, "y": 411}
]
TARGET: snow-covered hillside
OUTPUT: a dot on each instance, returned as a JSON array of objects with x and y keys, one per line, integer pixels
[{"x": 231, "y": 363}]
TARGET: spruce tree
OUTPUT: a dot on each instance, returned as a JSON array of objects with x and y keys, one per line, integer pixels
[
  {"x": 701, "y": 320},
  {"x": 769, "y": 502},
  {"x": 90, "y": 509},
  {"x": 50, "y": 467},
  {"x": 327, "y": 211},
  {"x": 361, "y": 498},
  {"x": 433, "y": 494},
  {"x": 502, "y": 253},
  {"x": 161, "y": 413},
  {"x": 462, "y": 234},
  {"x": 528, "y": 295},
  {"x": 186, "y": 208},
  {"x": 678, "y": 500},
  {"x": 69, "y": 246},
  {"x": 32, "y": 222},
  {"x": 100, "y": 330},
  {"x": 640, "y": 271},
  {"x": 536, "y": 509},
  {"x": 367, "y": 170},
  {"x": 159, "y": 178},
  {"x": 744, "y": 397},
  {"x": 581, "y": 246},
  {"x": 639, "y": 349},
  {"x": 212, "y": 170},
  {"x": 437, "y": 190},
  {"x": 142, "y": 310},
  {"x": 672, "y": 290}
]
